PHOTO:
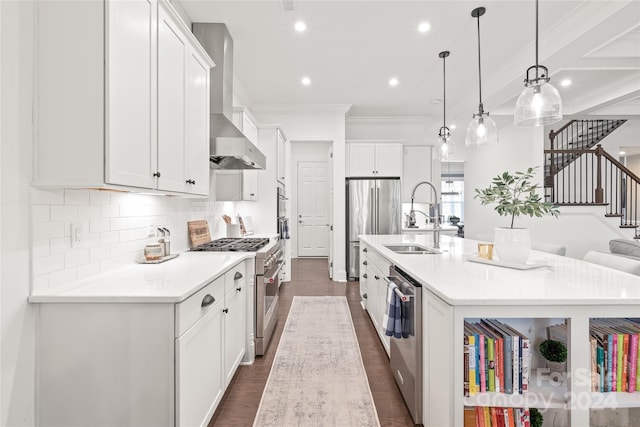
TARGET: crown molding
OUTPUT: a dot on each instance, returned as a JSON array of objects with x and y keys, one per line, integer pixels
[
  {"x": 389, "y": 119},
  {"x": 322, "y": 109}
]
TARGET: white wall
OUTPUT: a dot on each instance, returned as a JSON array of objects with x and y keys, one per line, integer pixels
[
  {"x": 320, "y": 126},
  {"x": 17, "y": 356},
  {"x": 306, "y": 151}
]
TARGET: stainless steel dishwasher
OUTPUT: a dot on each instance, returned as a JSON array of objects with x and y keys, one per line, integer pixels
[{"x": 406, "y": 352}]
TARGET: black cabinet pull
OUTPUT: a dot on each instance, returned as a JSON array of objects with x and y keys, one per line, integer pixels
[
  {"x": 225, "y": 310},
  {"x": 207, "y": 300},
  {"x": 157, "y": 174},
  {"x": 364, "y": 262},
  {"x": 190, "y": 181},
  {"x": 237, "y": 276},
  {"x": 365, "y": 250},
  {"x": 376, "y": 277},
  {"x": 364, "y": 276},
  {"x": 364, "y": 296},
  {"x": 239, "y": 289},
  {"x": 251, "y": 194}
]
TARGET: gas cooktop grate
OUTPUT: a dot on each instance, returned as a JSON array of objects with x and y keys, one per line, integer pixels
[{"x": 232, "y": 244}]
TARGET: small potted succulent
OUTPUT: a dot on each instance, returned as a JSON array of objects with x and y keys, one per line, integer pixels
[
  {"x": 555, "y": 353},
  {"x": 515, "y": 194},
  {"x": 535, "y": 418}
]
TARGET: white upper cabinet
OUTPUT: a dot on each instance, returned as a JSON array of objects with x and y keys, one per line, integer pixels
[
  {"x": 417, "y": 168},
  {"x": 375, "y": 159},
  {"x": 197, "y": 124},
  {"x": 129, "y": 78},
  {"x": 131, "y": 112}
]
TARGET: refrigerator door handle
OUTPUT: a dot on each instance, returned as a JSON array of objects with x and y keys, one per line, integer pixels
[
  {"x": 374, "y": 214},
  {"x": 377, "y": 210}
]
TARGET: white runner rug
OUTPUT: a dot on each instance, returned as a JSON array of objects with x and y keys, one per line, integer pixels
[{"x": 317, "y": 377}]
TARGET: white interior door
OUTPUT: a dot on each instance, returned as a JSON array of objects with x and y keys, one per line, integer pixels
[{"x": 313, "y": 209}]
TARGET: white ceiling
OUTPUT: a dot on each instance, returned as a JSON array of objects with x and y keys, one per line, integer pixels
[{"x": 352, "y": 48}]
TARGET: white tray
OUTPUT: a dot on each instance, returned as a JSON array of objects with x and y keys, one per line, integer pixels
[
  {"x": 158, "y": 261},
  {"x": 528, "y": 266}
]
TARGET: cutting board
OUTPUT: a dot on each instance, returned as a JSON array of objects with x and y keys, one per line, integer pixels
[{"x": 198, "y": 232}]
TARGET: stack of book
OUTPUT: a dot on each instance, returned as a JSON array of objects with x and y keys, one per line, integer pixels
[
  {"x": 614, "y": 355},
  {"x": 496, "y": 358},
  {"x": 485, "y": 416}
]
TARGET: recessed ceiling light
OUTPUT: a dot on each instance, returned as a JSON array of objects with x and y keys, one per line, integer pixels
[
  {"x": 622, "y": 153},
  {"x": 565, "y": 82},
  {"x": 306, "y": 81},
  {"x": 300, "y": 26},
  {"x": 424, "y": 27},
  {"x": 393, "y": 81},
  {"x": 452, "y": 126}
]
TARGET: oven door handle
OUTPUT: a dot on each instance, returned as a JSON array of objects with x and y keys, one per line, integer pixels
[{"x": 272, "y": 277}]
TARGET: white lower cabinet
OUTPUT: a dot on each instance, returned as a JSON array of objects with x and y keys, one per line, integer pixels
[
  {"x": 141, "y": 364},
  {"x": 377, "y": 269},
  {"x": 199, "y": 384},
  {"x": 234, "y": 317}
]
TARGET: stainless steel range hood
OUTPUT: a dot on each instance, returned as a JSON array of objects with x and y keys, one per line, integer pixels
[{"x": 228, "y": 147}]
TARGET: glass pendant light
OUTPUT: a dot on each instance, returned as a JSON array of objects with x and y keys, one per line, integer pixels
[
  {"x": 539, "y": 103},
  {"x": 446, "y": 143},
  {"x": 482, "y": 130}
]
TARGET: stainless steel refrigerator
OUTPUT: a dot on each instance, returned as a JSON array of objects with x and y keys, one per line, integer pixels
[{"x": 373, "y": 207}]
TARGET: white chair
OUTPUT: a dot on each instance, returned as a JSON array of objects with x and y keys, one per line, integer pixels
[
  {"x": 551, "y": 248},
  {"x": 617, "y": 262}
]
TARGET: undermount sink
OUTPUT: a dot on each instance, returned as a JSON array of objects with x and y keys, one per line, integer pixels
[{"x": 412, "y": 249}]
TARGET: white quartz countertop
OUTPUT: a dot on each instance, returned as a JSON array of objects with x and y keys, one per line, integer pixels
[
  {"x": 169, "y": 282},
  {"x": 563, "y": 281}
]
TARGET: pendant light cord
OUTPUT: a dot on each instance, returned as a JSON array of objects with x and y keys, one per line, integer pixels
[
  {"x": 537, "y": 40},
  {"x": 444, "y": 93},
  {"x": 479, "y": 70}
]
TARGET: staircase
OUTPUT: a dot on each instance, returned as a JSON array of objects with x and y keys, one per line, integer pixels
[
  {"x": 576, "y": 135},
  {"x": 579, "y": 172}
]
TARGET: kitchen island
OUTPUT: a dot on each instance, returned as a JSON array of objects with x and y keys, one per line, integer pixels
[{"x": 456, "y": 289}]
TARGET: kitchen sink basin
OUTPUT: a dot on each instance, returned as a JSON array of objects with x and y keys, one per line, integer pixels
[{"x": 412, "y": 249}]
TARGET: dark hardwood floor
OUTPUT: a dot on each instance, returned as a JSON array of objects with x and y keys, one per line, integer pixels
[{"x": 310, "y": 277}]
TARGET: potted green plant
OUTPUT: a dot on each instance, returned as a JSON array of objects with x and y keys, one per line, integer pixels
[
  {"x": 535, "y": 418},
  {"x": 515, "y": 194},
  {"x": 555, "y": 353}
]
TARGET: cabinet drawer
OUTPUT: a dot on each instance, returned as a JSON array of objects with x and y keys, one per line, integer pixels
[
  {"x": 379, "y": 261},
  {"x": 234, "y": 277},
  {"x": 191, "y": 310}
]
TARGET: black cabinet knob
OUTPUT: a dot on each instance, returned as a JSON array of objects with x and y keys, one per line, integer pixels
[
  {"x": 157, "y": 174},
  {"x": 225, "y": 310}
]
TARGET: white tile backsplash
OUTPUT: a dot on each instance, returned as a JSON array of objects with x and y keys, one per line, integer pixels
[
  {"x": 40, "y": 213},
  {"x": 110, "y": 211},
  {"x": 116, "y": 226},
  {"x": 64, "y": 213},
  {"x": 77, "y": 197},
  {"x": 48, "y": 230}
]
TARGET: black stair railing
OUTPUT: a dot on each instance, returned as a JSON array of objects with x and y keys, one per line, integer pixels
[
  {"x": 576, "y": 135},
  {"x": 595, "y": 177}
]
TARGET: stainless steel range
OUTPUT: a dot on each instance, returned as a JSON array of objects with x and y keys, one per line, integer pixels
[{"x": 268, "y": 263}]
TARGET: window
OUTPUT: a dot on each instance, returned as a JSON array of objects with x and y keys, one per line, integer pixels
[{"x": 452, "y": 190}]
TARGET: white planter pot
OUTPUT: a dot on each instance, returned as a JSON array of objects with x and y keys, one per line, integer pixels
[{"x": 512, "y": 244}]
